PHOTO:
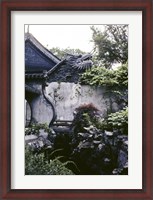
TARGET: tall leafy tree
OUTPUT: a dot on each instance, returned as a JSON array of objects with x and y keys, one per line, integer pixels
[
  {"x": 61, "y": 53},
  {"x": 111, "y": 44}
]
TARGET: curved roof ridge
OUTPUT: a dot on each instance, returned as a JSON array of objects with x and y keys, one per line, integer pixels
[{"x": 50, "y": 55}]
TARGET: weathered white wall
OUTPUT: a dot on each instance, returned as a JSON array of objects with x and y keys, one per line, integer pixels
[
  {"x": 68, "y": 96},
  {"x": 41, "y": 110},
  {"x": 27, "y": 113}
]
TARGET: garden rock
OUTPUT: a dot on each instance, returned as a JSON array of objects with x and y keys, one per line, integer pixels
[
  {"x": 43, "y": 133},
  {"x": 30, "y": 138}
]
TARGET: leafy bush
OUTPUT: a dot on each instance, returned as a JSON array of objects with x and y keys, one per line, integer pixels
[
  {"x": 34, "y": 129},
  {"x": 121, "y": 76},
  {"x": 118, "y": 120},
  {"x": 36, "y": 164},
  {"x": 100, "y": 76},
  {"x": 84, "y": 116}
]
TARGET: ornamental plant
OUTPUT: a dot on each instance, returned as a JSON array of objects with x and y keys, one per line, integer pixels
[
  {"x": 118, "y": 121},
  {"x": 34, "y": 129},
  {"x": 100, "y": 76},
  {"x": 36, "y": 164}
]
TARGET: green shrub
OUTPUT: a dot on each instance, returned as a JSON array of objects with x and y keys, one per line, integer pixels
[
  {"x": 85, "y": 115},
  {"x": 121, "y": 76},
  {"x": 119, "y": 121},
  {"x": 36, "y": 164},
  {"x": 100, "y": 76},
  {"x": 34, "y": 129}
]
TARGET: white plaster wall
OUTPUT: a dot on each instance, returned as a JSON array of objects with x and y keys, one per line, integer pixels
[
  {"x": 42, "y": 111},
  {"x": 68, "y": 96},
  {"x": 27, "y": 113}
]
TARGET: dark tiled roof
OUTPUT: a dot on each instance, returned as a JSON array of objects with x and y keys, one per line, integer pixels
[
  {"x": 31, "y": 38},
  {"x": 37, "y": 57},
  {"x": 42, "y": 75},
  {"x": 34, "y": 76},
  {"x": 41, "y": 63},
  {"x": 55, "y": 67}
]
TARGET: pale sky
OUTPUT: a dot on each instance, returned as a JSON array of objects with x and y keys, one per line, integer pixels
[{"x": 64, "y": 36}]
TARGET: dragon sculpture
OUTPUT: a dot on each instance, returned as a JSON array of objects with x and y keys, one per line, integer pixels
[{"x": 80, "y": 62}]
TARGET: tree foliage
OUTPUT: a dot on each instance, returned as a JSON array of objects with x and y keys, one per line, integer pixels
[
  {"x": 111, "y": 44},
  {"x": 35, "y": 128},
  {"x": 119, "y": 121},
  {"x": 100, "y": 76},
  {"x": 61, "y": 53}
]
